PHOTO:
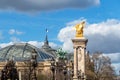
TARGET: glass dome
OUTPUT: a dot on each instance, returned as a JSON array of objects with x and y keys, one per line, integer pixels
[{"x": 22, "y": 51}]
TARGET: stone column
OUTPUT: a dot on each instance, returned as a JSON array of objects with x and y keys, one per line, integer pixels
[
  {"x": 81, "y": 59},
  {"x": 75, "y": 77},
  {"x": 79, "y": 45},
  {"x": 19, "y": 75}
]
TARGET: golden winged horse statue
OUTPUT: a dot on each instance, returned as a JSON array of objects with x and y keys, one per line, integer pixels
[{"x": 79, "y": 29}]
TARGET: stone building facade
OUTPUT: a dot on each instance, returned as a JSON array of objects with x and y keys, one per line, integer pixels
[{"x": 21, "y": 54}]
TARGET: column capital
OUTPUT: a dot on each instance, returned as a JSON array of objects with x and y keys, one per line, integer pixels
[{"x": 80, "y": 42}]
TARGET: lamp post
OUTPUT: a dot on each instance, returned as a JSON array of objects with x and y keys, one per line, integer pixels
[
  {"x": 34, "y": 64},
  {"x": 71, "y": 73},
  {"x": 65, "y": 72}
]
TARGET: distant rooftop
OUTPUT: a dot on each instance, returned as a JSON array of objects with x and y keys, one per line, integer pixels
[{"x": 46, "y": 48}]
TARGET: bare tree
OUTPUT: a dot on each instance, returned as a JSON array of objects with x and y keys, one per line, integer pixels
[
  {"x": 102, "y": 67},
  {"x": 89, "y": 67}
]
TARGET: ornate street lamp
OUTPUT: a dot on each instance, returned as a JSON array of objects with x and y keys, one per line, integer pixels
[
  {"x": 65, "y": 72},
  {"x": 70, "y": 74},
  {"x": 34, "y": 64}
]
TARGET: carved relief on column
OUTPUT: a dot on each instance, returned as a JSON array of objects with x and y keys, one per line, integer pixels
[
  {"x": 81, "y": 59},
  {"x": 79, "y": 54}
]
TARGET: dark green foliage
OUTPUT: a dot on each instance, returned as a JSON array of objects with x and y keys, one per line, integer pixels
[{"x": 61, "y": 54}]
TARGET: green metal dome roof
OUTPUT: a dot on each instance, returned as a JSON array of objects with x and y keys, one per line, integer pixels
[{"x": 22, "y": 51}]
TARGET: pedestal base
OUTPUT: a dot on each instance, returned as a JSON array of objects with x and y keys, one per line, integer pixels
[{"x": 75, "y": 78}]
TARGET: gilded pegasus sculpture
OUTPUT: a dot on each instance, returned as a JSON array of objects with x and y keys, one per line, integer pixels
[{"x": 79, "y": 29}]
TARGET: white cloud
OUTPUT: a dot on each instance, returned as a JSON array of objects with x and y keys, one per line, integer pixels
[
  {"x": 15, "y": 39},
  {"x": 54, "y": 45},
  {"x": 109, "y": 27},
  {"x": 65, "y": 35},
  {"x": 117, "y": 67},
  {"x": 19, "y": 32},
  {"x": 2, "y": 45},
  {"x": 103, "y": 36},
  {"x": 34, "y": 43},
  {"x": 13, "y": 31},
  {"x": 39, "y": 5},
  {"x": 40, "y": 44},
  {"x": 115, "y": 57}
]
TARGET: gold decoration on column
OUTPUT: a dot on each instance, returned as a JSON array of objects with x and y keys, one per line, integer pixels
[{"x": 79, "y": 29}]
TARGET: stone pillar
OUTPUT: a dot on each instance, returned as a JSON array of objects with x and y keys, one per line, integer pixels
[
  {"x": 79, "y": 45},
  {"x": 75, "y": 77},
  {"x": 19, "y": 75},
  {"x": 81, "y": 59}
]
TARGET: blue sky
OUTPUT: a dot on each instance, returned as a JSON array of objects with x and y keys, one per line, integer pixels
[
  {"x": 26, "y": 21},
  {"x": 54, "y": 20}
]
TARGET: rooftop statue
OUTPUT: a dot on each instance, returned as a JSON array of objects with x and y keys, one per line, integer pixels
[
  {"x": 79, "y": 29},
  {"x": 61, "y": 53}
]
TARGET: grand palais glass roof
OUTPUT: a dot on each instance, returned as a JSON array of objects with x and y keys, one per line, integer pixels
[{"x": 22, "y": 51}]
